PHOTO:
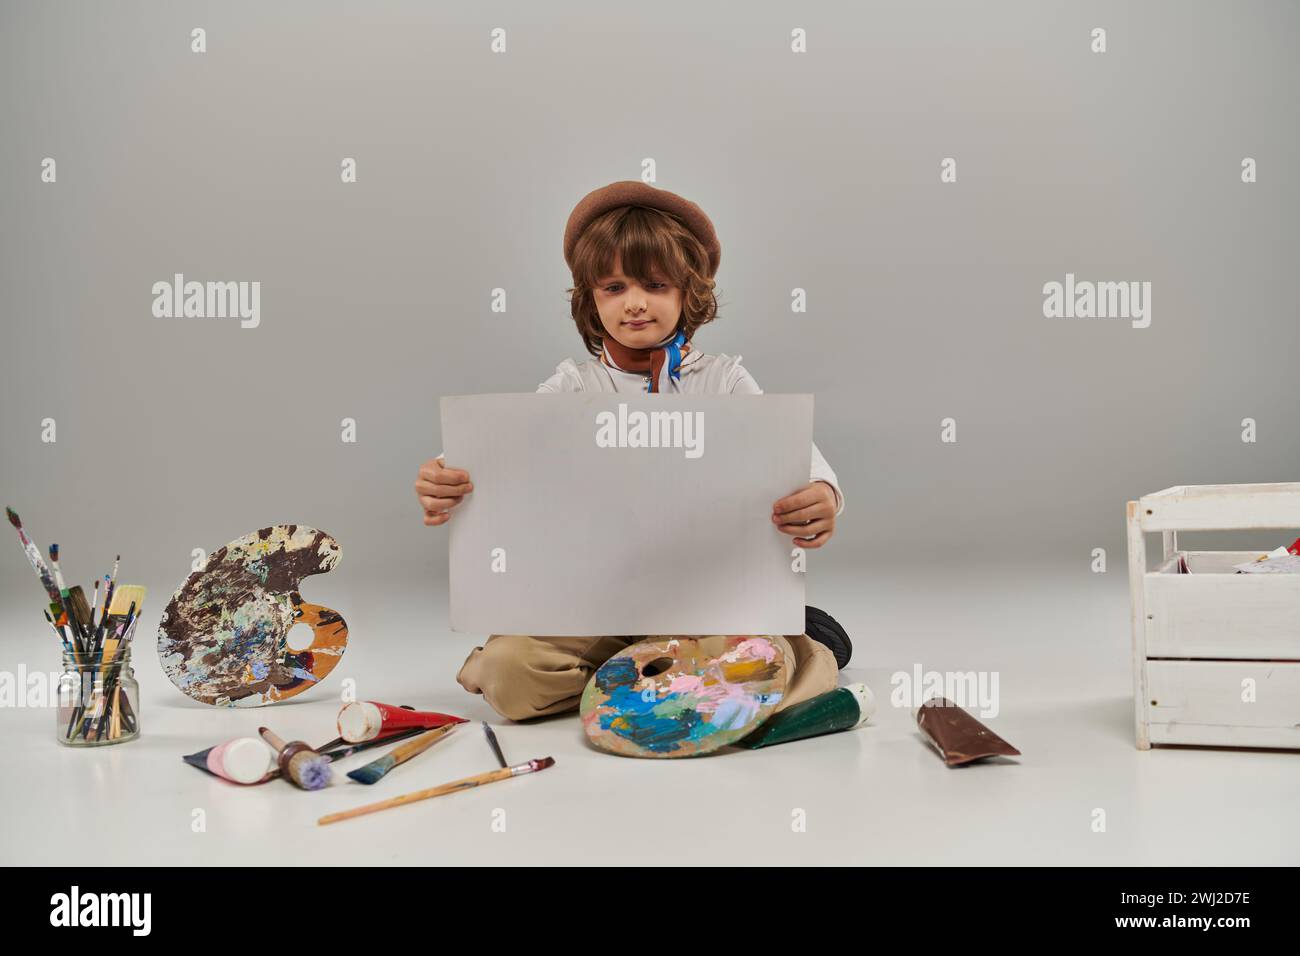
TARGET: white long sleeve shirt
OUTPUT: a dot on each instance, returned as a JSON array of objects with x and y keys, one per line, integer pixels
[{"x": 700, "y": 374}]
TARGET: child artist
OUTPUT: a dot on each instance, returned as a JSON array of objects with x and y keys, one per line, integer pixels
[{"x": 643, "y": 261}]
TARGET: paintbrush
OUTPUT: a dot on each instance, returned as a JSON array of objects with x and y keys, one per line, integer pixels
[
  {"x": 108, "y": 598},
  {"x": 126, "y": 634},
  {"x": 58, "y": 632},
  {"x": 112, "y": 582},
  {"x": 303, "y": 766},
  {"x": 58, "y": 572},
  {"x": 80, "y": 608},
  {"x": 34, "y": 558},
  {"x": 340, "y": 749},
  {"x": 97, "y": 627},
  {"x": 94, "y": 720},
  {"x": 107, "y": 655},
  {"x": 492, "y": 776},
  {"x": 119, "y": 620},
  {"x": 492, "y": 742},
  {"x": 65, "y": 598},
  {"x": 91, "y": 653},
  {"x": 375, "y": 771}
]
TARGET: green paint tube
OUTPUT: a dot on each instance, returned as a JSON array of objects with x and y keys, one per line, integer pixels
[{"x": 843, "y": 708}]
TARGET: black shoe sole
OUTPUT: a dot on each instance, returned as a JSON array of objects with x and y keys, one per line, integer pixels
[{"x": 824, "y": 629}]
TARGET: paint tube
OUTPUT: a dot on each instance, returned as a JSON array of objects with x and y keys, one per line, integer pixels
[
  {"x": 244, "y": 760},
  {"x": 958, "y": 736},
  {"x": 367, "y": 719},
  {"x": 844, "y": 708}
]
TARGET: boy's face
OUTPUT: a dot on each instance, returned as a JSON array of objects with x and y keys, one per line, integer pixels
[{"x": 638, "y": 316}]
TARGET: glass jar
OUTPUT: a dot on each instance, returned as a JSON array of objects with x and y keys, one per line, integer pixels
[{"x": 99, "y": 703}]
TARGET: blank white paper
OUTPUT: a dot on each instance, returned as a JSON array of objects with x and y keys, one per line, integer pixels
[{"x": 563, "y": 537}]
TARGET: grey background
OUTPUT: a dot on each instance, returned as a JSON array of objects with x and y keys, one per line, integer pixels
[{"x": 819, "y": 170}]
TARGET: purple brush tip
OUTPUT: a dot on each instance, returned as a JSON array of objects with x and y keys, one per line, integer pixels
[
  {"x": 13, "y": 517},
  {"x": 315, "y": 773},
  {"x": 54, "y": 552}
]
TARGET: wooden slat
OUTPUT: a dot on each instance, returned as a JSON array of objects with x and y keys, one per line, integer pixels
[
  {"x": 1167, "y": 492},
  {"x": 1222, "y": 507},
  {"x": 1200, "y": 702},
  {"x": 1213, "y": 735},
  {"x": 1222, "y": 615},
  {"x": 1137, "y": 566}
]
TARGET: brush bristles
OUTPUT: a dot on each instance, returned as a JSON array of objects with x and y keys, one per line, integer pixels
[
  {"x": 123, "y": 596},
  {"x": 13, "y": 518},
  {"x": 79, "y": 606},
  {"x": 372, "y": 772},
  {"x": 309, "y": 770}
]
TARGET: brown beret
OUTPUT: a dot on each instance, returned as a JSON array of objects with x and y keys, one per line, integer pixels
[{"x": 633, "y": 192}]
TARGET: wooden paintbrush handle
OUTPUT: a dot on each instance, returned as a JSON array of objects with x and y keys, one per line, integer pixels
[
  {"x": 503, "y": 773},
  {"x": 420, "y": 744}
]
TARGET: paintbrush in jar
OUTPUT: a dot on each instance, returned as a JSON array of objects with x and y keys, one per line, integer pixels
[
  {"x": 34, "y": 558},
  {"x": 107, "y": 648}
]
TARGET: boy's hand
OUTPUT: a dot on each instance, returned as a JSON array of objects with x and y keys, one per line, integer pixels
[
  {"x": 440, "y": 489},
  {"x": 809, "y": 511}
]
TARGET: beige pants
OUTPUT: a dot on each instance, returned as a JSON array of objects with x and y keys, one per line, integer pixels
[{"x": 524, "y": 677}]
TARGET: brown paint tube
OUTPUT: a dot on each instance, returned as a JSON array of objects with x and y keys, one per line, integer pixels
[{"x": 959, "y": 737}]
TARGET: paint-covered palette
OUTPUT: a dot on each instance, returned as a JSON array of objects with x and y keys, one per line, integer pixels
[
  {"x": 684, "y": 696},
  {"x": 223, "y": 638}
]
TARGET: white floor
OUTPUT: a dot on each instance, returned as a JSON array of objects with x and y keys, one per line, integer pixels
[{"x": 879, "y": 795}]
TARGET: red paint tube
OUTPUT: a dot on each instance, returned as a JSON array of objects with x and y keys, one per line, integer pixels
[{"x": 367, "y": 719}]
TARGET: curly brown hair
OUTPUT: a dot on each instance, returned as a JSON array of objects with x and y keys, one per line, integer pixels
[{"x": 649, "y": 242}]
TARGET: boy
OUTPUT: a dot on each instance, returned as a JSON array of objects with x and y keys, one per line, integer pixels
[{"x": 643, "y": 261}]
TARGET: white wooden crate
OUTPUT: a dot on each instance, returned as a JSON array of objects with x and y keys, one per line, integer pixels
[{"x": 1200, "y": 639}]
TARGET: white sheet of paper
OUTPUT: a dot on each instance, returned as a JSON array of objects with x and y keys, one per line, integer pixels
[
  {"x": 563, "y": 537},
  {"x": 1281, "y": 564}
]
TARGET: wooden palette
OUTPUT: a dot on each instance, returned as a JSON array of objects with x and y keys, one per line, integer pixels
[
  {"x": 683, "y": 696},
  {"x": 223, "y": 639}
]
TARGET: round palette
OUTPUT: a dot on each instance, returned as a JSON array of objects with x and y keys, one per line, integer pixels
[
  {"x": 684, "y": 696},
  {"x": 223, "y": 639}
]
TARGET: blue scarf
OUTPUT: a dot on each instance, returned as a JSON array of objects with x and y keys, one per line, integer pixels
[{"x": 662, "y": 362}]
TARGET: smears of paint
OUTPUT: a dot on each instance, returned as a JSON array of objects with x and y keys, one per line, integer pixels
[
  {"x": 244, "y": 760},
  {"x": 684, "y": 696},
  {"x": 367, "y": 719},
  {"x": 223, "y": 639},
  {"x": 844, "y": 708}
]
